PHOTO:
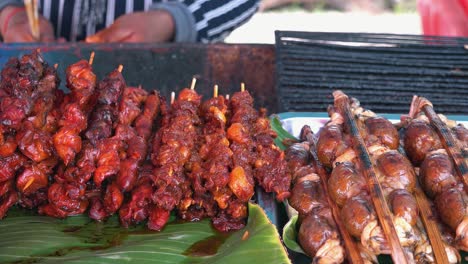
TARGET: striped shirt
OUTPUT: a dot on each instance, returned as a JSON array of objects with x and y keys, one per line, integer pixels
[{"x": 195, "y": 20}]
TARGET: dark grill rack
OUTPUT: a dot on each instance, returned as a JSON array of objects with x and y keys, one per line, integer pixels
[{"x": 383, "y": 71}]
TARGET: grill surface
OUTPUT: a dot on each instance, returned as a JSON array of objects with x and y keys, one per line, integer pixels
[{"x": 383, "y": 71}]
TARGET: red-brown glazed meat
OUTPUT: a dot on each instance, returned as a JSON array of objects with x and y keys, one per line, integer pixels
[
  {"x": 330, "y": 144},
  {"x": 297, "y": 156},
  {"x": 177, "y": 142},
  {"x": 404, "y": 204},
  {"x": 309, "y": 238},
  {"x": 81, "y": 81},
  {"x": 139, "y": 205},
  {"x": 419, "y": 140},
  {"x": 356, "y": 213},
  {"x": 383, "y": 131},
  {"x": 345, "y": 182},
  {"x": 308, "y": 194},
  {"x": 270, "y": 166},
  {"x": 397, "y": 171},
  {"x": 137, "y": 144},
  {"x": 451, "y": 206},
  {"x": 437, "y": 174}
]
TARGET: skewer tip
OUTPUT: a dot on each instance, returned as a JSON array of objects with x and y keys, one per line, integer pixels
[
  {"x": 194, "y": 81},
  {"x": 91, "y": 58},
  {"x": 120, "y": 68},
  {"x": 242, "y": 86},
  {"x": 28, "y": 184},
  {"x": 215, "y": 91},
  {"x": 172, "y": 97},
  {"x": 56, "y": 65},
  {"x": 227, "y": 96}
]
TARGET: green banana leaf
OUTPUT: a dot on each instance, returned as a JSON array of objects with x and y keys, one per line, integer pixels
[
  {"x": 290, "y": 235},
  {"x": 29, "y": 238},
  {"x": 283, "y": 135}
]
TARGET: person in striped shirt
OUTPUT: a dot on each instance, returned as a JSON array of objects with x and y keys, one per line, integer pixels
[{"x": 127, "y": 20}]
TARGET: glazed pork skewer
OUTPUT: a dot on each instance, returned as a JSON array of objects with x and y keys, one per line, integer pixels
[
  {"x": 178, "y": 140},
  {"x": 66, "y": 194},
  {"x": 137, "y": 208}
]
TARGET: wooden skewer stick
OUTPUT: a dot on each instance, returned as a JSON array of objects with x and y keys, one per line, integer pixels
[
  {"x": 172, "y": 97},
  {"x": 450, "y": 144},
  {"x": 194, "y": 82},
  {"x": 120, "y": 68},
  {"x": 432, "y": 229},
  {"x": 227, "y": 97},
  {"x": 242, "y": 87},
  {"x": 37, "y": 29},
  {"x": 377, "y": 196},
  {"x": 91, "y": 58},
  {"x": 56, "y": 65},
  {"x": 29, "y": 5},
  {"x": 352, "y": 250},
  {"x": 30, "y": 181},
  {"x": 215, "y": 91}
]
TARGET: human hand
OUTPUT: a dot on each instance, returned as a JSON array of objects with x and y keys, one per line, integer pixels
[
  {"x": 15, "y": 26},
  {"x": 150, "y": 26}
]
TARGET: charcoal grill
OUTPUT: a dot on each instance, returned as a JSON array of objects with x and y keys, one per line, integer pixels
[
  {"x": 383, "y": 71},
  {"x": 170, "y": 67}
]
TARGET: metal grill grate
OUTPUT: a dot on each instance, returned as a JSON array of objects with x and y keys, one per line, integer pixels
[{"x": 383, "y": 71}]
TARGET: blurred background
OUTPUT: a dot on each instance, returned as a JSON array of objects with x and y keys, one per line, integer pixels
[{"x": 441, "y": 17}]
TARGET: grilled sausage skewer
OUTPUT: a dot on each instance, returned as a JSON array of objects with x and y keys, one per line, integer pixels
[
  {"x": 398, "y": 180},
  {"x": 437, "y": 174}
]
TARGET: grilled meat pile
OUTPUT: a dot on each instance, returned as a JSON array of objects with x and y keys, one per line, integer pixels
[{"x": 105, "y": 148}]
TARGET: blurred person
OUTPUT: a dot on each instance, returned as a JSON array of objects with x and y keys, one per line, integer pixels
[
  {"x": 444, "y": 17},
  {"x": 126, "y": 20}
]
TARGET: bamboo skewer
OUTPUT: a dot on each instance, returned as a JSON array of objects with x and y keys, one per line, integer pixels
[
  {"x": 432, "y": 230},
  {"x": 91, "y": 58},
  {"x": 194, "y": 82},
  {"x": 242, "y": 87},
  {"x": 172, "y": 97},
  {"x": 352, "y": 251},
  {"x": 215, "y": 91},
  {"x": 36, "y": 19},
  {"x": 32, "y": 12},
  {"x": 378, "y": 199},
  {"x": 450, "y": 144},
  {"x": 120, "y": 68}
]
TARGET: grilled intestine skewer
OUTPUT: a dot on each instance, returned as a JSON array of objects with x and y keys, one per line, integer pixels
[
  {"x": 319, "y": 217},
  {"x": 398, "y": 180},
  {"x": 348, "y": 187},
  {"x": 437, "y": 173}
]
